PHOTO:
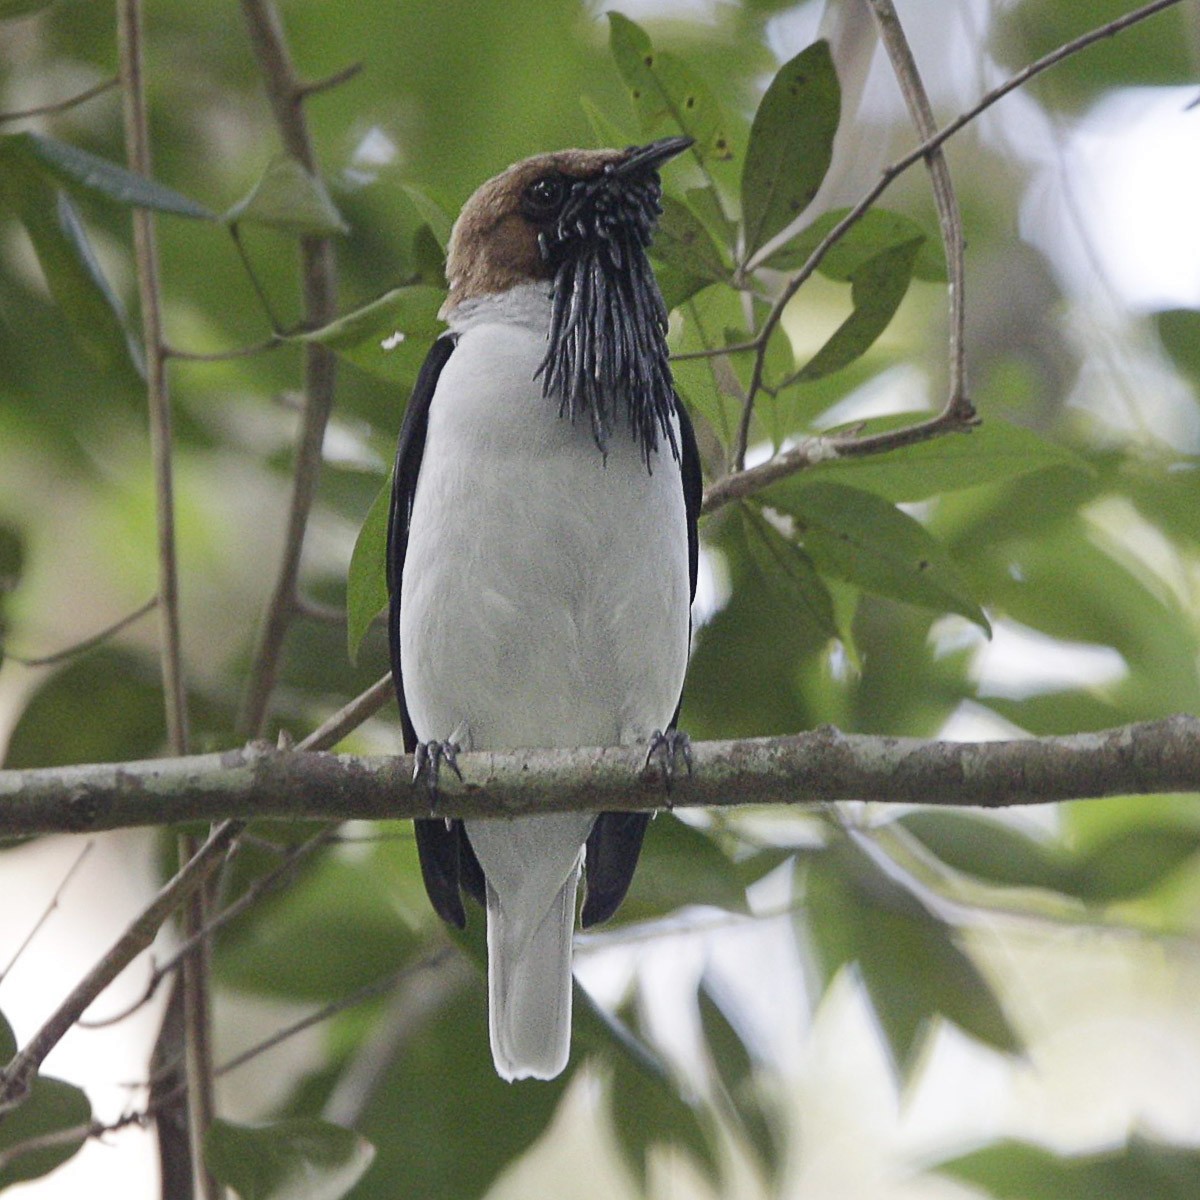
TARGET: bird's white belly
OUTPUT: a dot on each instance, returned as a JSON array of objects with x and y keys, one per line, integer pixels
[{"x": 544, "y": 600}]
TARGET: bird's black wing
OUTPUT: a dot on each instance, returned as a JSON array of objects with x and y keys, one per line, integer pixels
[
  {"x": 615, "y": 842},
  {"x": 447, "y": 859}
]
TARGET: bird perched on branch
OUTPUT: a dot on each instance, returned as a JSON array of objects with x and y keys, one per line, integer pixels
[{"x": 542, "y": 553}]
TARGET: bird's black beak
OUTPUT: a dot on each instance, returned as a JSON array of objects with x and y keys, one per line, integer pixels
[{"x": 640, "y": 159}]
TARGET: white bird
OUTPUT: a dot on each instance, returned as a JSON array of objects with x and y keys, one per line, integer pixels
[{"x": 542, "y": 553}]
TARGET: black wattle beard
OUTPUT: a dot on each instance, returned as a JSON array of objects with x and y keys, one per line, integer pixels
[{"x": 607, "y": 356}]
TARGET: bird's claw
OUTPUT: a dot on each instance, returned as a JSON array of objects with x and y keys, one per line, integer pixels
[
  {"x": 427, "y": 764},
  {"x": 668, "y": 747}
]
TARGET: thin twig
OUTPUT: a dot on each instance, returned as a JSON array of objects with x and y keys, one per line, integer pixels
[
  {"x": 738, "y": 485},
  {"x": 195, "y": 980},
  {"x": 315, "y": 86},
  {"x": 359, "y": 996},
  {"x": 891, "y": 33},
  {"x": 88, "y": 643},
  {"x": 51, "y": 907},
  {"x": 319, "y": 281},
  {"x": 716, "y": 351},
  {"x": 146, "y": 254},
  {"x": 44, "y": 110},
  {"x": 422, "y": 989}
]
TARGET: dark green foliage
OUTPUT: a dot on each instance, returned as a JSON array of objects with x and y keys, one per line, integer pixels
[{"x": 1146, "y": 1169}]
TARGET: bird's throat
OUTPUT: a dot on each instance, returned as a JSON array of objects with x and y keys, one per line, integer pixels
[{"x": 607, "y": 359}]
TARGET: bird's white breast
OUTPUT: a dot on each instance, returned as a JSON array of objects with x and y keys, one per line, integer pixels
[{"x": 544, "y": 599}]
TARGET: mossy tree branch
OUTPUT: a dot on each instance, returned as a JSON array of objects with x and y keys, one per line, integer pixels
[{"x": 261, "y": 782}]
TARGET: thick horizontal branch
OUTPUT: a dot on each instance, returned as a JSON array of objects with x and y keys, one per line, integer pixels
[{"x": 261, "y": 782}]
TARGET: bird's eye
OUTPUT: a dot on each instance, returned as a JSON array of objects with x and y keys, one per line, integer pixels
[{"x": 543, "y": 198}]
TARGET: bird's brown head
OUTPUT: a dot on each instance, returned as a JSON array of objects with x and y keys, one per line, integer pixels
[
  {"x": 580, "y": 220},
  {"x": 513, "y": 228}
]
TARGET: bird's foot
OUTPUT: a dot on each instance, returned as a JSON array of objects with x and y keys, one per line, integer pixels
[
  {"x": 669, "y": 747},
  {"x": 427, "y": 765}
]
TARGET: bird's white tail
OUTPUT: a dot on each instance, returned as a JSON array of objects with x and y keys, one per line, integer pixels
[
  {"x": 532, "y": 866},
  {"x": 529, "y": 987}
]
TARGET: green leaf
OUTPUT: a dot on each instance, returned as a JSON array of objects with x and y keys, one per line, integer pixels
[
  {"x": 682, "y": 241},
  {"x": 12, "y": 556},
  {"x": 688, "y": 259},
  {"x": 432, "y": 212},
  {"x": 878, "y": 229},
  {"x": 85, "y": 172},
  {"x": 910, "y": 961},
  {"x": 297, "y": 1159},
  {"x": 78, "y": 285},
  {"x": 791, "y": 144},
  {"x": 771, "y": 412},
  {"x": 348, "y": 908},
  {"x": 989, "y": 849},
  {"x": 1156, "y": 54},
  {"x": 642, "y": 1121},
  {"x": 1147, "y": 1170},
  {"x": 389, "y": 337},
  {"x": 102, "y": 707},
  {"x": 288, "y": 198},
  {"x": 705, "y": 202},
  {"x": 51, "y": 1106},
  {"x": 1132, "y": 862},
  {"x": 12, "y": 562},
  {"x": 785, "y": 566},
  {"x": 988, "y": 453},
  {"x": 876, "y": 289},
  {"x": 859, "y": 537},
  {"x": 704, "y": 382},
  {"x": 429, "y": 258},
  {"x": 665, "y": 90},
  {"x": 366, "y": 584},
  {"x": 8, "y": 1040}
]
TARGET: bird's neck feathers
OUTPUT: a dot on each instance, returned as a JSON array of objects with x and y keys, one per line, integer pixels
[{"x": 528, "y": 305}]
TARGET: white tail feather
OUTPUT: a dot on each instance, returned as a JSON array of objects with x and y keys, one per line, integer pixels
[
  {"x": 529, "y": 988},
  {"x": 532, "y": 866}
]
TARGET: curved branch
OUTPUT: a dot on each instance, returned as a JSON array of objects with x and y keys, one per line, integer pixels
[
  {"x": 264, "y": 783},
  {"x": 58, "y": 106},
  {"x": 904, "y": 66},
  {"x": 88, "y": 643},
  {"x": 737, "y": 485}
]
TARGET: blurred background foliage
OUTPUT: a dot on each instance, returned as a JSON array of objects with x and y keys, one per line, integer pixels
[{"x": 804, "y": 1004}]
